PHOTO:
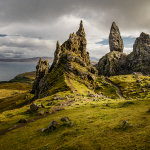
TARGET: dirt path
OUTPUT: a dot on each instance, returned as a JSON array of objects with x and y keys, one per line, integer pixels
[
  {"x": 73, "y": 88},
  {"x": 55, "y": 109},
  {"x": 118, "y": 89}
]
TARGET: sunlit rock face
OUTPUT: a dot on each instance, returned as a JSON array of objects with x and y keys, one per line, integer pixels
[{"x": 115, "y": 40}]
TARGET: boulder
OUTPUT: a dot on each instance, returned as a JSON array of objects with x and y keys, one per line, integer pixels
[
  {"x": 124, "y": 123},
  {"x": 137, "y": 73},
  {"x": 148, "y": 85},
  {"x": 41, "y": 112},
  {"x": 71, "y": 124},
  {"x": 65, "y": 119},
  {"x": 53, "y": 124},
  {"x": 23, "y": 121},
  {"x": 42, "y": 130},
  {"x": 33, "y": 107},
  {"x": 138, "y": 81}
]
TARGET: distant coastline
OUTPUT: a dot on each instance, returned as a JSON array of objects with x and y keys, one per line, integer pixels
[{"x": 34, "y": 59}]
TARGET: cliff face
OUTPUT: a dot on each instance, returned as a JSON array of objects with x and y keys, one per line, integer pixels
[
  {"x": 70, "y": 61},
  {"x": 139, "y": 59}
]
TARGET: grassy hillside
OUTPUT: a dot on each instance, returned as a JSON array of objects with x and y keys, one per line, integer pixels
[
  {"x": 106, "y": 122},
  {"x": 27, "y": 77},
  {"x": 95, "y": 127},
  {"x": 132, "y": 86},
  {"x": 15, "y": 93}
]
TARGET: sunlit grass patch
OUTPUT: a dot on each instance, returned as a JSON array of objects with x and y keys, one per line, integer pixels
[{"x": 106, "y": 88}]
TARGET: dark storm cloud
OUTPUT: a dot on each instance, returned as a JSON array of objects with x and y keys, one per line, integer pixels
[
  {"x": 128, "y": 13},
  {"x": 56, "y": 19}
]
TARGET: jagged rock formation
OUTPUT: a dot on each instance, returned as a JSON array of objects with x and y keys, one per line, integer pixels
[
  {"x": 117, "y": 63},
  {"x": 42, "y": 69},
  {"x": 56, "y": 56},
  {"x": 113, "y": 63},
  {"x": 139, "y": 59},
  {"x": 70, "y": 61},
  {"x": 115, "y": 40},
  {"x": 142, "y": 42}
]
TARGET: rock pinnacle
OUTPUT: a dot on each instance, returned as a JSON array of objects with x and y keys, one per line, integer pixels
[{"x": 115, "y": 40}]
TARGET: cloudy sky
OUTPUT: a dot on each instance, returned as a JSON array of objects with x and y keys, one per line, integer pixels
[{"x": 31, "y": 28}]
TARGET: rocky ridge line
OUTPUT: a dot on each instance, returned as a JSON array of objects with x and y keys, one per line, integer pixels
[{"x": 71, "y": 60}]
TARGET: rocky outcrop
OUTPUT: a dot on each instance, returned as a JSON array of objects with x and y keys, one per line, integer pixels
[
  {"x": 42, "y": 69},
  {"x": 56, "y": 56},
  {"x": 115, "y": 40},
  {"x": 113, "y": 63},
  {"x": 117, "y": 63},
  {"x": 72, "y": 61},
  {"x": 142, "y": 42},
  {"x": 139, "y": 59}
]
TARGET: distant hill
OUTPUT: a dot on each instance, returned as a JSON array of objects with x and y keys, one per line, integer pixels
[
  {"x": 36, "y": 59},
  {"x": 94, "y": 59}
]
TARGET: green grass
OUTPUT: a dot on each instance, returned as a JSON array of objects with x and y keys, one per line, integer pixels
[
  {"x": 27, "y": 77},
  {"x": 15, "y": 86},
  {"x": 81, "y": 88},
  {"x": 130, "y": 88},
  {"x": 15, "y": 101},
  {"x": 57, "y": 81},
  {"x": 94, "y": 128},
  {"x": 106, "y": 88},
  {"x": 97, "y": 124}
]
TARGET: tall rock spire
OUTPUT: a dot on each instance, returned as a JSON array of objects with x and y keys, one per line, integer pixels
[
  {"x": 56, "y": 55},
  {"x": 81, "y": 32},
  {"x": 115, "y": 40},
  {"x": 42, "y": 69}
]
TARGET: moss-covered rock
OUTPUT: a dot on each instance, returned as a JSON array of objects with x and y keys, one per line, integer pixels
[{"x": 113, "y": 63}]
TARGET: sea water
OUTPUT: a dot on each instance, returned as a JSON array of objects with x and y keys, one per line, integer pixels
[{"x": 8, "y": 70}]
